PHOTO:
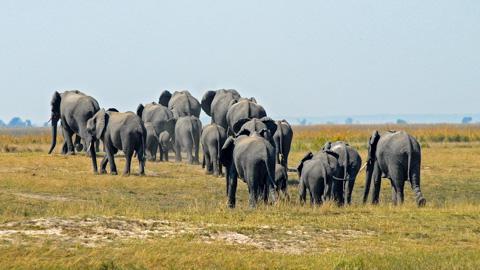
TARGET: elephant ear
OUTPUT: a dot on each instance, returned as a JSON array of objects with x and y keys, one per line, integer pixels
[
  {"x": 165, "y": 98},
  {"x": 112, "y": 110},
  {"x": 55, "y": 102},
  {"x": 270, "y": 123},
  {"x": 170, "y": 126},
  {"x": 226, "y": 153},
  {"x": 140, "y": 110},
  {"x": 207, "y": 101},
  {"x": 330, "y": 152},
  {"x": 101, "y": 120},
  {"x": 232, "y": 102},
  {"x": 327, "y": 146},
  {"x": 372, "y": 145},
  {"x": 237, "y": 127},
  {"x": 308, "y": 156},
  {"x": 252, "y": 99}
]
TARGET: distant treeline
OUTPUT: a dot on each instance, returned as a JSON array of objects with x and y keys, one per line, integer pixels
[{"x": 16, "y": 122}]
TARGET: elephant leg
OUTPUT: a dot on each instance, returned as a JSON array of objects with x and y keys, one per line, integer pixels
[
  {"x": 302, "y": 190},
  {"x": 141, "y": 161},
  {"x": 64, "y": 148},
  {"x": 103, "y": 165},
  {"x": 189, "y": 154},
  {"x": 232, "y": 187},
  {"x": 178, "y": 153},
  {"x": 215, "y": 164},
  {"x": 394, "y": 193},
  {"x": 400, "y": 195},
  {"x": 128, "y": 162},
  {"x": 110, "y": 152},
  {"x": 68, "y": 139},
  {"x": 196, "y": 148},
  {"x": 377, "y": 182},
  {"x": 327, "y": 195},
  {"x": 266, "y": 191},
  {"x": 208, "y": 162},
  {"x": 166, "y": 154},
  {"x": 351, "y": 184},
  {"x": 78, "y": 143},
  {"x": 415, "y": 182}
]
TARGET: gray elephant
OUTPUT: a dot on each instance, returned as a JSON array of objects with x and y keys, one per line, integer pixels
[
  {"x": 350, "y": 162},
  {"x": 251, "y": 157},
  {"x": 73, "y": 108},
  {"x": 118, "y": 131},
  {"x": 212, "y": 139},
  {"x": 281, "y": 180},
  {"x": 181, "y": 103},
  {"x": 283, "y": 141},
  {"x": 187, "y": 138},
  {"x": 243, "y": 109},
  {"x": 217, "y": 103},
  {"x": 317, "y": 173},
  {"x": 397, "y": 156},
  {"x": 166, "y": 144},
  {"x": 157, "y": 119},
  {"x": 256, "y": 125}
]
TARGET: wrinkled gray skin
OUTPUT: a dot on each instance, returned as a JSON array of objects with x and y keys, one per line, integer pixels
[
  {"x": 118, "y": 131},
  {"x": 281, "y": 180},
  {"x": 250, "y": 157},
  {"x": 212, "y": 139},
  {"x": 217, "y": 103},
  {"x": 283, "y": 141},
  {"x": 187, "y": 138},
  {"x": 350, "y": 162},
  {"x": 157, "y": 119},
  {"x": 73, "y": 108},
  {"x": 243, "y": 109},
  {"x": 166, "y": 144},
  {"x": 181, "y": 103},
  {"x": 317, "y": 173},
  {"x": 396, "y": 156}
]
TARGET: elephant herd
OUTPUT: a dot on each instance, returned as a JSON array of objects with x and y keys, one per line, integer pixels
[{"x": 240, "y": 142}]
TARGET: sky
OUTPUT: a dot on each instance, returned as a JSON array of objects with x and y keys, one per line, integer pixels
[{"x": 298, "y": 58}]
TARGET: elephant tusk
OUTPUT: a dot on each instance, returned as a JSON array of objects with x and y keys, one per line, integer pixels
[{"x": 363, "y": 167}]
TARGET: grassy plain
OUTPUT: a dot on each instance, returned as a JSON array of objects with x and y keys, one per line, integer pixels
[{"x": 55, "y": 214}]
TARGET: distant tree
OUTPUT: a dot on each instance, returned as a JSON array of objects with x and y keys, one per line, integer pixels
[
  {"x": 401, "y": 122},
  {"x": 349, "y": 121},
  {"x": 302, "y": 122},
  {"x": 467, "y": 120},
  {"x": 17, "y": 122}
]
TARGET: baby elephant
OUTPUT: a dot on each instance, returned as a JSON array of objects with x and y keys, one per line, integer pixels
[
  {"x": 187, "y": 138},
  {"x": 212, "y": 139},
  {"x": 281, "y": 180},
  {"x": 317, "y": 173},
  {"x": 118, "y": 131},
  {"x": 165, "y": 144}
]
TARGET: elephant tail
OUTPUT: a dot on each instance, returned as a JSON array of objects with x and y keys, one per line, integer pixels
[
  {"x": 410, "y": 153},
  {"x": 345, "y": 164},
  {"x": 280, "y": 147},
  {"x": 219, "y": 146}
]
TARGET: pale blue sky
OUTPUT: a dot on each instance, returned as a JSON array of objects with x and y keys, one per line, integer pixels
[{"x": 298, "y": 58}]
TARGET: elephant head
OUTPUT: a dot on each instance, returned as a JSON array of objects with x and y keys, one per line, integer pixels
[
  {"x": 346, "y": 161},
  {"x": 165, "y": 97},
  {"x": 372, "y": 149},
  {"x": 55, "y": 116},
  {"x": 251, "y": 125},
  {"x": 308, "y": 156}
]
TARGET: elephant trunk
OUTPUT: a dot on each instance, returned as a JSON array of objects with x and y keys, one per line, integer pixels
[
  {"x": 368, "y": 180},
  {"x": 54, "y": 133}
]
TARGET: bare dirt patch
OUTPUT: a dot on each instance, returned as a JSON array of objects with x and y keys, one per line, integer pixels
[{"x": 99, "y": 231}]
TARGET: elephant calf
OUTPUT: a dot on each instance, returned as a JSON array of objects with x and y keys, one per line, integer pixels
[
  {"x": 118, "y": 131},
  {"x": 281, "y": 180},
  {"x": 212, "y": 139},
  {"x": 350, "y": 162},
  {"x": 165, "y": 143},
  {"x": 187, "y": 138},
  {"x": 397, "y": 156},
  {"x": 283, "y": 140},
  {"x": 317, "y": 173}
]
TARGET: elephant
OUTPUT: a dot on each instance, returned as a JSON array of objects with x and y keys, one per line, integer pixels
[
  {"x": 350, "y": 162},
  {"x": 166, "y": 144},
  {"x": 243, "y": 109},
  {"x": 213, "y": 137},
  {"x": 317, "y": 173},
  {"x": 181, "y": 103},
  {"x": 281, "y": 180},
  {"x": 254, "y": 124},
  {"x": 283, "y": 141},
  {"x": 117, "y": 131},
  {"x": 251, "y": 157},
  {"x": 157, "y": 119},
  {"x": 187, "y": 138},
  {"x": 73, "y": 108},
  {"x": 216, "y": 104},
  {"x": 395, "y": 155}
]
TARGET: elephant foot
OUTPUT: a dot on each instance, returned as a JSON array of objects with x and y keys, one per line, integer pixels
[
  {"x": 70, "y": 153},
  {"x": 95, "y": 172},
  {"x": 103, "y": 171},
  {"x": 79, "y": 147},
  {"x": 421, "y": 202},
  {"x": 114, "y": 173}
]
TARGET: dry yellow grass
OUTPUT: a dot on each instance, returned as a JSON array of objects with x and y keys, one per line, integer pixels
[{"x": 54, "y": 214}]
